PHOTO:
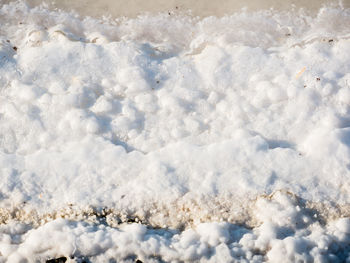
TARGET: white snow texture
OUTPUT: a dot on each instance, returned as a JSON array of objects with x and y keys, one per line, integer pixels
[{"x": 171, "y": 138}]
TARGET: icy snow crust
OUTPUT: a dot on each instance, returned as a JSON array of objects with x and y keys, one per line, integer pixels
[{"x": 228, "y": 137}]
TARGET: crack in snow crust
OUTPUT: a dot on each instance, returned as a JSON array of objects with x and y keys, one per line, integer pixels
[{"x": 278, "y": 227}]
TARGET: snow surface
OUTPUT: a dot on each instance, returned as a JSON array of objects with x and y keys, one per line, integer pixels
[{"x": 174, "y": 138}]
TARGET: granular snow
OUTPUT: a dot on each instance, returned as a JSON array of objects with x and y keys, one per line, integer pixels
[{"x": 228, "y": 137}]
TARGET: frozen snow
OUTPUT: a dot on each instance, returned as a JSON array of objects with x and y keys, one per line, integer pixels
[
  {"x": 286, "y": 233},
  {"x": 217, "y": 139}
]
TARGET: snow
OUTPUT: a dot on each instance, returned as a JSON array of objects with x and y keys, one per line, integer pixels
[
  {"x": 287, "y": 232},
  {"x": 174, "y": 138}
]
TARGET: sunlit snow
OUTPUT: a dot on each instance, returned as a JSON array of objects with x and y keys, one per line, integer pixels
[{"x": 171, "y": 138}]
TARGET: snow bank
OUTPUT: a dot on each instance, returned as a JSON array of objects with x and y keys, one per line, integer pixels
[{"x": 176, "y": 122}]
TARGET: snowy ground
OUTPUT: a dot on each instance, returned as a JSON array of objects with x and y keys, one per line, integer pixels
[{"x": 168, "y": 138}]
